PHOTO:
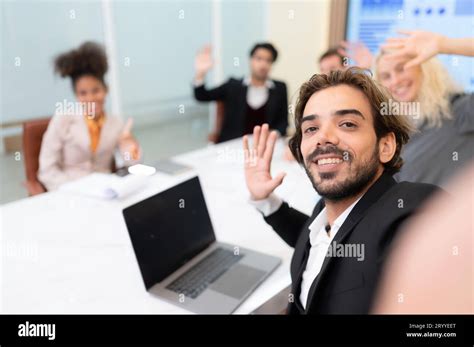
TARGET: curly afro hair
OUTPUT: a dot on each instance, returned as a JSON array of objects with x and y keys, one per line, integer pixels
[{"x": 88, "y": 59}]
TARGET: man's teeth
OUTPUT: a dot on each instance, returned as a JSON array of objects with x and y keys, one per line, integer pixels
[{"x": 326, "y": 161}]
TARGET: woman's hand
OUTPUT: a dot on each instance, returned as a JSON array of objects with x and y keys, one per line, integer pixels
[
  {"x": 419, "y": 46},
  {"x": 128, "y": 146}
]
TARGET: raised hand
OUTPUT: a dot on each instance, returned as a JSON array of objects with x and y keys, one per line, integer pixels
[
  {"x": 127, "y": 129},
  {"x": 358, "y": 52},
  {"x": 129, "y": 147},
  {"x": 258, "y": 161},
  {"x": 203, "y": 62},
  {"x": 418, "y": 46}
]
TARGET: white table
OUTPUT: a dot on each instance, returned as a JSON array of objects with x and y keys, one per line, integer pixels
[{"x": 71, "y": 254}]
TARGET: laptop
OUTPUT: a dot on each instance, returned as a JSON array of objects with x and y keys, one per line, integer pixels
[{"x": 181, "y": 261}]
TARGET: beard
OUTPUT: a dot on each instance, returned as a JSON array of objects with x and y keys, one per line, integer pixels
[{"x": 359, "y": 176}]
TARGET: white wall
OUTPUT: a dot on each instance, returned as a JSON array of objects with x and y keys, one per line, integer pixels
[
  {"x": 154, "y": 44},
  {"x": 299, "y": 29},
  {"x": 32, "y": 33},
  {"x": 160, "y": 39}
]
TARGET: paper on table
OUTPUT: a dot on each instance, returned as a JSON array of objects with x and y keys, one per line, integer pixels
[{"x": 105, "y": 186}]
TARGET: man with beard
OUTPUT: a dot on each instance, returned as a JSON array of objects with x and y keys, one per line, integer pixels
[
  {"x": 350, "y": 152},
  {"x": 247, "y": 102}
]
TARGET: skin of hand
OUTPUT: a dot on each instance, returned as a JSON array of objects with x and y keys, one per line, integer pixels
[
  {"x": 358, "y": 52},
  {"x": 258, "y": 160},
  {"x": 419, "y": 45},
  {"x": 430, "y": 266},
  {"x": 203, "y": 62},
  {"x": 127, "y": 142}
]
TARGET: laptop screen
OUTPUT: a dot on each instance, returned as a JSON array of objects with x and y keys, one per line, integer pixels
[{"x": 168, "y": 229}]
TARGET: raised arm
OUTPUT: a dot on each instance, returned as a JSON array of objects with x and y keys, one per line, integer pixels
[
  {"x": 128, "y": 146},
  {"x": 286, "y": 221},
  {"x": 358, "y": 52},
  {"x": 422, "y": 45},
  {"x": 202, "y": 64}
]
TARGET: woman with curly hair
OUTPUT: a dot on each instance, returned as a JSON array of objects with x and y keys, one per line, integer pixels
[{"x": 81, "y": 140}]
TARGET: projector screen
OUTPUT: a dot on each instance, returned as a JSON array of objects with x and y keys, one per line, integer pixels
[{"x": 372, "y": 21}]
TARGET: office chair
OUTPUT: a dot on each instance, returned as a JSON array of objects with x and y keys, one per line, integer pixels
[
  {"x": 216, "y": 132},
  {"x": 33, "y": 131}
]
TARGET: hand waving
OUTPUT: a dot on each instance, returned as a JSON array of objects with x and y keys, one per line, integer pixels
[
  {"x": 358, "y": 52},
  {"x": 418, "y": 45},
  {"x": 203, "y": 62},
  {"x": 258, "y": 161}
]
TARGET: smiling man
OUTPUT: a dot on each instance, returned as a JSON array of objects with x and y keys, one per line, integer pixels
[{"x": 350, "y": 152}]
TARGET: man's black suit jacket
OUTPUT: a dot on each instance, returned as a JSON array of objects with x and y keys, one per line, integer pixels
[
  {"x": 234, "y": 95},
  {"x": 344, "y": 284}
]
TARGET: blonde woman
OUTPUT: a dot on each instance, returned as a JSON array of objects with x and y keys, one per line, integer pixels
[
  {"x": 81, "y": 142},
  {"x": 423, "y": 90}
]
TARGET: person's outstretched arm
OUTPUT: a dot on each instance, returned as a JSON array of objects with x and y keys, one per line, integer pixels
[
  {"x": 203, "y": 63},
  {"x": 423, "y": 45}
]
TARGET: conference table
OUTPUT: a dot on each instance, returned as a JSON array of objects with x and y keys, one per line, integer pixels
[{"x": 65, "y": 253}]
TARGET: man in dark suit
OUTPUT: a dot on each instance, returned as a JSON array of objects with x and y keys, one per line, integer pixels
[
  {"x": 349, "y": 150},
  {"x": 250, "y": 101}
]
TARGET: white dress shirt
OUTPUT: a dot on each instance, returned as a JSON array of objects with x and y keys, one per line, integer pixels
[
  {"x": 318, "y": 238},
  {"x": 257, "y": 96},
  {"x": 320, "y": 242}
]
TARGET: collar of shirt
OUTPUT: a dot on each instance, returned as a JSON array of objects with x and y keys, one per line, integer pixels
[
  {"x": 320, "y": 241},
  {"x": 318, "y": 225},
  {"x": 268, "y": 83}
]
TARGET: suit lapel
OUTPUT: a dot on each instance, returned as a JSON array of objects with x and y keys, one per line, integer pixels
[
  {"x": 384, "y": 183},
  {"x": 304, "y": 260},
  {"x": 242, "y": 105},
  {"x": 270, "y": 108},
  {"x": 81, "y": 132}
]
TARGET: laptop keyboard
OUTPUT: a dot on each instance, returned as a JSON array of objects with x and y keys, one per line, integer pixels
[{"x": 193, "y": 282}]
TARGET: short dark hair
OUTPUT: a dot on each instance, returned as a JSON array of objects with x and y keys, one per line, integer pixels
[
  {"x": 377, "y": 96},
  {"x": 265, "y": 45},
  {"x": 330, "y": 52}
]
